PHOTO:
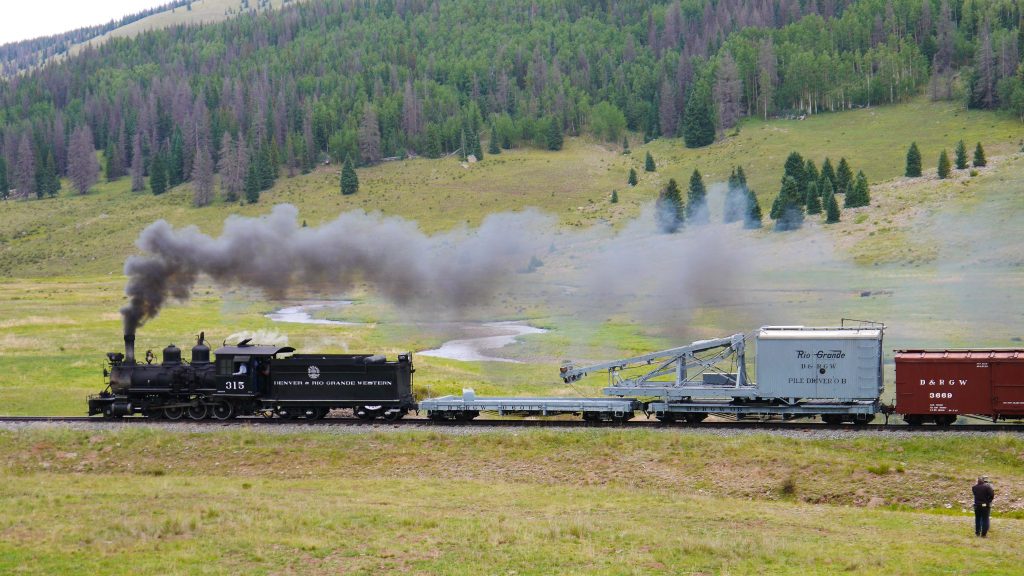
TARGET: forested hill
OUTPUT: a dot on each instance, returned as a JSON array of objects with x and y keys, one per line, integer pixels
[
  {"x": 19, "y": 56},
  {"x": 374, "y": 79}
]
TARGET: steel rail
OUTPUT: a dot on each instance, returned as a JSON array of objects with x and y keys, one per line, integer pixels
[{"x": 414, "y": 423}]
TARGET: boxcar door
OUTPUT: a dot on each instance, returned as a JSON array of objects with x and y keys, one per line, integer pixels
[{"x": 1008, "y": 386}]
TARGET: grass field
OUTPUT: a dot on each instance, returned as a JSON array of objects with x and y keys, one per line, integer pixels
[
  {"x": 939, "y": 262},
  {"x": 569, "y": 502}
]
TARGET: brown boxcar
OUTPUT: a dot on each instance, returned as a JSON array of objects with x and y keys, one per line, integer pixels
[{"x": 937, "y": 385}]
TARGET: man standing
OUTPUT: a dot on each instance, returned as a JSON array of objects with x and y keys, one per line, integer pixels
[{"x": 983, "y": 495}]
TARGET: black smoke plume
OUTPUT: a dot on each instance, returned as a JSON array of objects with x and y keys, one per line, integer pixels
[{"x": 276, "y": 253}]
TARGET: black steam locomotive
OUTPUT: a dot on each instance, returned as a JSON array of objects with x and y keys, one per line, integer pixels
[{"x": 247, "y": 379}]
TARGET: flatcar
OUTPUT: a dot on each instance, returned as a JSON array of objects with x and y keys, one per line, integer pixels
[{"x": 248, "y": 379}]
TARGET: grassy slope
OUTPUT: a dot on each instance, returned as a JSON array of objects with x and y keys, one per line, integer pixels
[
  {"x": 583, "y": 502},
  {"x": 93, "y": 234},
  {"x": 203, "y": 12}
]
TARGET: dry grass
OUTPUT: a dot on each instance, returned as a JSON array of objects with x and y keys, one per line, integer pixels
[{"x": 605, "y": 502}]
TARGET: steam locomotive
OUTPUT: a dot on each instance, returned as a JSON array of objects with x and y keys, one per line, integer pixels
[
  {"x": 833, "y": 373},
  {"x": 248, "y": 379}
]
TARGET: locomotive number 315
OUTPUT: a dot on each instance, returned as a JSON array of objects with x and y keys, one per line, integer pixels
[{"x": 234, "y": 385}]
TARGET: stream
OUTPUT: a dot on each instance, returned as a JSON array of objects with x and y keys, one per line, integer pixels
[{"x": 494, "y": 335}]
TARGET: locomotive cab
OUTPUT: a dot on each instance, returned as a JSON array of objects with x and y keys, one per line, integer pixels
[{"x": 244, "y": 370}]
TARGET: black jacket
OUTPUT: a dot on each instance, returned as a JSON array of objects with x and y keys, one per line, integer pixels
[{"x": 983, "y": 493}]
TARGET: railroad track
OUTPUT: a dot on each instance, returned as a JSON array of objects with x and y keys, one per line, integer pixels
[{"x": 414, "y": 423}]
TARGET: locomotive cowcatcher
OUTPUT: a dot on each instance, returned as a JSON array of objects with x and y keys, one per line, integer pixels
[{"x": 248, "y": 379}]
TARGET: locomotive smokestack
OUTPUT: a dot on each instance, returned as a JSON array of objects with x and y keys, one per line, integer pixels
[{"x": 129, "y": 348}]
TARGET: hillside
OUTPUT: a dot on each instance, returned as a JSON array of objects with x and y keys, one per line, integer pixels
[
  {"x": 320, "y": 80},
  {"x": 195, "y": 13},
  {"x": 73, "y": 234}
]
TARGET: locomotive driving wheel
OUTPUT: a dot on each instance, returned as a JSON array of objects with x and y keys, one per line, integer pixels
[
  {"x": 197, "y": 412},
  {"x": 222, "y": 410},
  {"x": 174, "y": 412}
]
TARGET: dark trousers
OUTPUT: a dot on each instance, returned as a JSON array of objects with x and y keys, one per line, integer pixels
[{"x": 981, "y": 512}]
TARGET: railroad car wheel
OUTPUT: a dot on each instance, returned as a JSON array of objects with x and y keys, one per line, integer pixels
[
  {"x": 832, "y": 419},
  {"x": 667, "y": 418},
  {"x": 913, "y": 419},
  {"x": 436, "y": 416},
  {"x": 315, "y": 412},
  {"x": 626, "y": 417},
  {"x": 174, "y": 412},
  {"x": 197, "y": 412},
  {"x": 397, "y": 414},
  {"x": 946, "y": 420},
  {"x": 222, "y": 410},
  {"x": 863, "y": 419},
  {"x": 368, "y": 412},
  {"x": 695, "y": 417}
]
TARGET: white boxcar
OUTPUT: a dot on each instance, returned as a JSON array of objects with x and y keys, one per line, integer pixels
[{"x": 843, "y": 364}]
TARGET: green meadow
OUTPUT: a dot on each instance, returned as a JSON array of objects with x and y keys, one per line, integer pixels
[
  {"x": 536, "y": 502},
  {"x": 938, "y": 261}
]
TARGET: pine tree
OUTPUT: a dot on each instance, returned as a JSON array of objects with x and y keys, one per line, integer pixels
[
  {"x": 625, "y": 145},
  {"x": 696, "y": 200},
  {"x": 492, "y": 145},
  {"x": 632, "y": 177},
  {"x": 109, "y": 166},
  {"x": 267, "y": 168},
  {"x": 253, "y": 181},
  {"x": 349, "y": 179},
  {"x": 794, "y": 168},
  {"x": 138, "y": 180},
  {"x": 811, "y": 198},
  {"x": 859, "y": 195},
  {"x": 668, "y": 209},
  {"x": 831, "y": 205},
  {"x": 811, "y": 173},
  {"x": 753, "y": 216},
  {"x": 50, "y": 183},
  {"x": 699, "y": 117},
  {"x": 735, "y": 199},
  {"x": 202, "y": 177},
  {"x": 649, "y": 163},
  {"x": 158, "y": 175},
  {"x": 944, "y": 165},
  {"x": 844, "y": 177},
  {"x": 615, "y": 197},
  {"x": 176, "y": 161},
  {"x": 979, "y": 156},
  {"x": 827, "y": 172},
  {"x": 787, "y": 210},
  {"x": 5, "y": 187},
  {"x": 463, "y": 150},
  {"x": 961, "y": 155},
  {"x": 553, "y": 135},
  {"x": 478, "y": 150},
  {"x": 25, "y": 167},
  {"x": 83, "y": 168},
  {"x": 913, "y": 161}
]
